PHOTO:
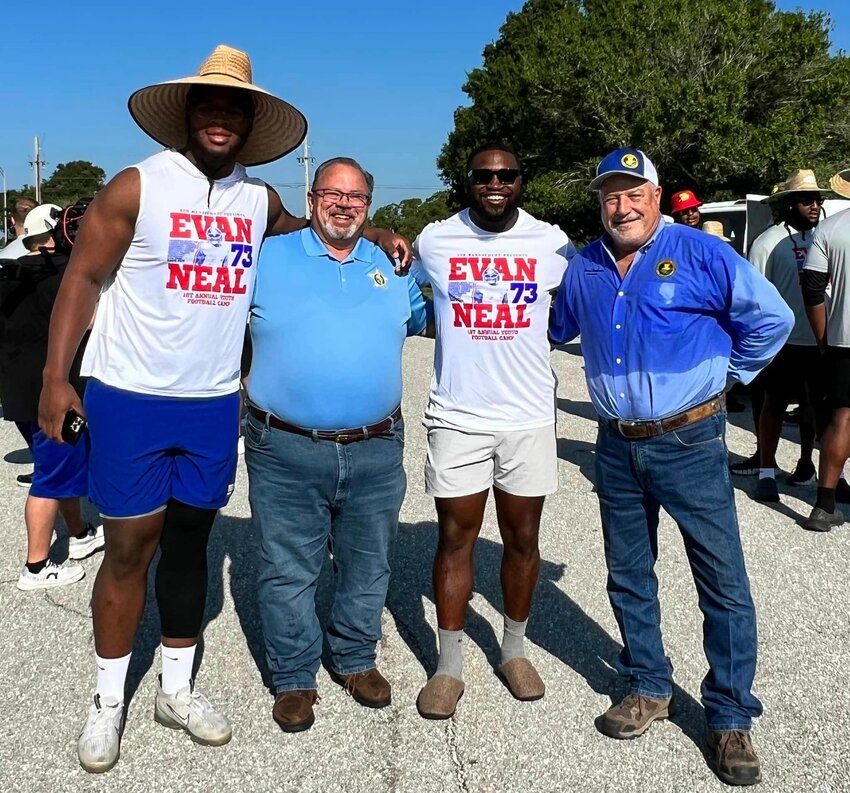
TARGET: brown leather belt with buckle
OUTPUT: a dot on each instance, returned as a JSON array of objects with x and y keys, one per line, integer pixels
[
  {"x": 652, "y": 429},
  {"x": 379, "y": 430}
]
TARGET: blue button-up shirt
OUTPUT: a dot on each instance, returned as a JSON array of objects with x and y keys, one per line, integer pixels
[
  {"x": 690, "y": 317},
  {"x": 328, "y": 335}
]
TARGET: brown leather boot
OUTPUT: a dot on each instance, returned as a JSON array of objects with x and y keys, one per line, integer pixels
[
  {"x": 293, "y": 710},
  {"x": 735, "y": 759},
  {"x": 369, "y": 688}
]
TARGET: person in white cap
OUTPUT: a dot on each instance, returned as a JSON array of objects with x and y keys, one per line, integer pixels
[
  {"x": 28, "y": 288},
  {"x": 164, "y": 362}
]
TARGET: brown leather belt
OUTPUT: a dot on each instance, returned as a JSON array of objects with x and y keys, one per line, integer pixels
[
  {"x": 651, "y": 429},
  {"x": 379, "y": 430}
]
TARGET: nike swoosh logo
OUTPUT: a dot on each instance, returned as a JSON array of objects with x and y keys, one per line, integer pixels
[{"x": 184, "y": 722}]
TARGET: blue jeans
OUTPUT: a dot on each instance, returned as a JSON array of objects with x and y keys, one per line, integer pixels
[
  {"x": 307, "y": 496},
  {"x": 686, "y": 473}
]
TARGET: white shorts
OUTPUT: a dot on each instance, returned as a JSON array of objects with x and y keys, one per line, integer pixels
[{"x": 462, "y": 462}]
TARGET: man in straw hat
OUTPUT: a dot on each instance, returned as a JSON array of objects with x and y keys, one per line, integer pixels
[
  {"x": 668, "y": 317},
  {"x": 827, "y": 262},
  {"x": 795, "y": 375},
  {"x": 164, "y": 362},
  {"x": 715, "y": 229}
]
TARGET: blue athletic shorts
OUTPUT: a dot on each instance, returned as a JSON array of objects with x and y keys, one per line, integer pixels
[
  {"x": 148, "y": 449},
  {"x": 60, "y": 470}
]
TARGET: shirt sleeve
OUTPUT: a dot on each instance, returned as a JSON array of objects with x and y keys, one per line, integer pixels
[
  {"x": 817, "y": 258},
  {"x": 759, "y": 320},
  {"x": 419, "y": 308},
  {"x": 563, "y": 326},
  {"x": 759, "y": 256},
  {"x": 417, "y": 269}
]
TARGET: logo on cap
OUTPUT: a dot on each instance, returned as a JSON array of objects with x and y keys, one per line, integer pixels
[
  {"x": 684, "y": 196},
  {"x": 629, "y": 161},
  {"x": 665, "y": 268}
]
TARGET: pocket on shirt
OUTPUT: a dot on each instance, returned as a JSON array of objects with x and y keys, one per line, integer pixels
[{"x": 704, "y": 432}]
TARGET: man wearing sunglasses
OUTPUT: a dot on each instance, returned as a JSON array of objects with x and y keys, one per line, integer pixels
[
  {"x": 796, "y": 373},
  {"x": 324, "y": 440},
  {"x": 490, "y": 417}
]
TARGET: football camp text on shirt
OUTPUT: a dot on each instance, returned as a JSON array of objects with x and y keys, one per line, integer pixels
[{"x": 491, "y": 304}]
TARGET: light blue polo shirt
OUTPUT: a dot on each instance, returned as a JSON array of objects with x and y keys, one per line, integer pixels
[{"x": 328, "y": 335}]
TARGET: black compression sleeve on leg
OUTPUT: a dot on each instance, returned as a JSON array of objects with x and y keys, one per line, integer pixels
[{"x": 181, "y": 577}]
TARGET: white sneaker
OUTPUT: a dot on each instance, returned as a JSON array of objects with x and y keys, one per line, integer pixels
[
  {"x": 92, "y": 540},
  {"x": 100, "y": 741},
  {"x": 190, "y": 710},
  {"x": 50, "y": 575}
]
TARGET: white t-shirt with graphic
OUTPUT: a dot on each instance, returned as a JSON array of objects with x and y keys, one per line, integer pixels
[
  {"x": 491, "y": 301},
  {"x": 171, "y": 319}
]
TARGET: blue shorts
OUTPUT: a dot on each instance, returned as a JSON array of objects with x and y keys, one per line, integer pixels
[
  {"x": 60, "y": 470},
  {"x": 148, "y": 449}
]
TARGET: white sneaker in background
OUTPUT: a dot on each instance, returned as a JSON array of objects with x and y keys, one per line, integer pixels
[
  {"x": 87, "y": 544},
  {"x": 49, "y": 576}
]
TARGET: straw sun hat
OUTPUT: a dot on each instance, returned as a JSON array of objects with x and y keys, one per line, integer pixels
[
  {"x": 160, "y": 110},
  {"x": 800, "y": 181},
  {"x": 715, "y": 228},
  {"x": 840, "y": 183}
]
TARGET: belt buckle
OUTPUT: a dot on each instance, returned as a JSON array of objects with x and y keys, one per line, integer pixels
[
  {"x": 621, "y": 424},
  {"x": 343, "y": 437}
]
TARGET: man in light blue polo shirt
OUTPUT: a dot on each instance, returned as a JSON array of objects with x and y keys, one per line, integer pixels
[
  {"x": 324, "y": 439},
  {"x": 669, "y": 317}
]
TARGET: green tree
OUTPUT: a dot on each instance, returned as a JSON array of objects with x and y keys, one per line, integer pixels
[
  {"x": 725, "y": 97},
  {"x": 410, "y": 216},
  {"x": 72, "y": 180}
]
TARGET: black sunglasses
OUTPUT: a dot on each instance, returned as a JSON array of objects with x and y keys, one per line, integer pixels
[{"x": 485, "y": 175}]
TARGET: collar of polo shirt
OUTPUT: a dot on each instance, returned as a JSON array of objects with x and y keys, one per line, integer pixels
[{"x": 364, "y": 251}]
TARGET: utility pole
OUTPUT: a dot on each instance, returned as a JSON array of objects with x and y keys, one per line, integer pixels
[
  {"x": 36, "y": 167},
  {"x": 306, "y": 160}
]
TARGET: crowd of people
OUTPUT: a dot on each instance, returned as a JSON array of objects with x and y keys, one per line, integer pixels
[{"x": 147, "y": 344}]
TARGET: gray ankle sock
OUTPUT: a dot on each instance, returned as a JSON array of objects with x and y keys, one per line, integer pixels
[
  {"x": 451, "y": 654},
  {"x": 513, "y": 640}
]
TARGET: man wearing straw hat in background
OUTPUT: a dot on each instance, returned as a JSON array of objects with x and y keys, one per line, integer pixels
[
  {"x": 715, "y": 229},
  {"x": 795, "y": 375},
  {"x": 826, "y": 263},
  {"x": 164, "y": 363}
]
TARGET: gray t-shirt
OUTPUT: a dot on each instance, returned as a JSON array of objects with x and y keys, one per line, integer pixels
[
  {"x": 830, "y": 253},
  {"x": 779, "y": 255}
]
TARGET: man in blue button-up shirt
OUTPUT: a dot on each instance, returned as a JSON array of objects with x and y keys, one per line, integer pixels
[
  {"x": 324, "y": 440},
  {"x": 669, "y": 317}
]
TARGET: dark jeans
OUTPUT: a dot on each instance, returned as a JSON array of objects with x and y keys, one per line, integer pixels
[
  {"x": 307, "y": 496},
  {"x": 686, "y": 473}
]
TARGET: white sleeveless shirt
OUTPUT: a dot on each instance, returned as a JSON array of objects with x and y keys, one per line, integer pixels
[{"x": 171, "y": 319}]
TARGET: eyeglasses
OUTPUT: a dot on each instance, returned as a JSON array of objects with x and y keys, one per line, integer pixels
[
  {"x": 485, "y": 175},
  {"x": 808, "y": 200},
  {"x": 328, "y": 196},
  {"x": 209, "y": 112}
]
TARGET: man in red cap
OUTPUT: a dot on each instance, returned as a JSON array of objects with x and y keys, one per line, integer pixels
[{"x": 684, "y": 206}]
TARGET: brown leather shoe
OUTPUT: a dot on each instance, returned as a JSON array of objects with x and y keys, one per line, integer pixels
[
  {"x": 293, "y": 710},
  {"x": 735, "y": 759},
  {"x": 369, "y": 688},
  {"x": 632, "y": 717}
]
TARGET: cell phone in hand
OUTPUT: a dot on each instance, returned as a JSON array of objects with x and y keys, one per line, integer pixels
[{"x": 73, "y": 427}]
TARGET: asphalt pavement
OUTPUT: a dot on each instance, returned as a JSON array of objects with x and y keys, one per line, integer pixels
[{"x": 800, "y": 583}]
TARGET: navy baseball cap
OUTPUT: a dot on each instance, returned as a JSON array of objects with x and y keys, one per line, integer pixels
[{"x": 632, "y": 162}]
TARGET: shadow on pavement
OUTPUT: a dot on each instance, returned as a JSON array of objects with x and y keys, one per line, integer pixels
[
  {"x": 557, "y": 625},
  {"x": 18, "y": 456},
  {"x": 571, "y": 348}
]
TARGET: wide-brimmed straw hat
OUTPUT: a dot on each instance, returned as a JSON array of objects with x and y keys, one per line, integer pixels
[
  {"x": 840, "y": 183},
  {"x": 715, "y": 228},
  {"x": 160, "y": 110},
  {"x": 800, "y": 181}
]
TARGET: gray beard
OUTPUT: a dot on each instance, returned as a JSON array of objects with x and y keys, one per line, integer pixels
[{"x": 333, "y": 233}]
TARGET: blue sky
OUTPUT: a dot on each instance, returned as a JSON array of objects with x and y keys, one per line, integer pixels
[{"x": 378, "y": 81}]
